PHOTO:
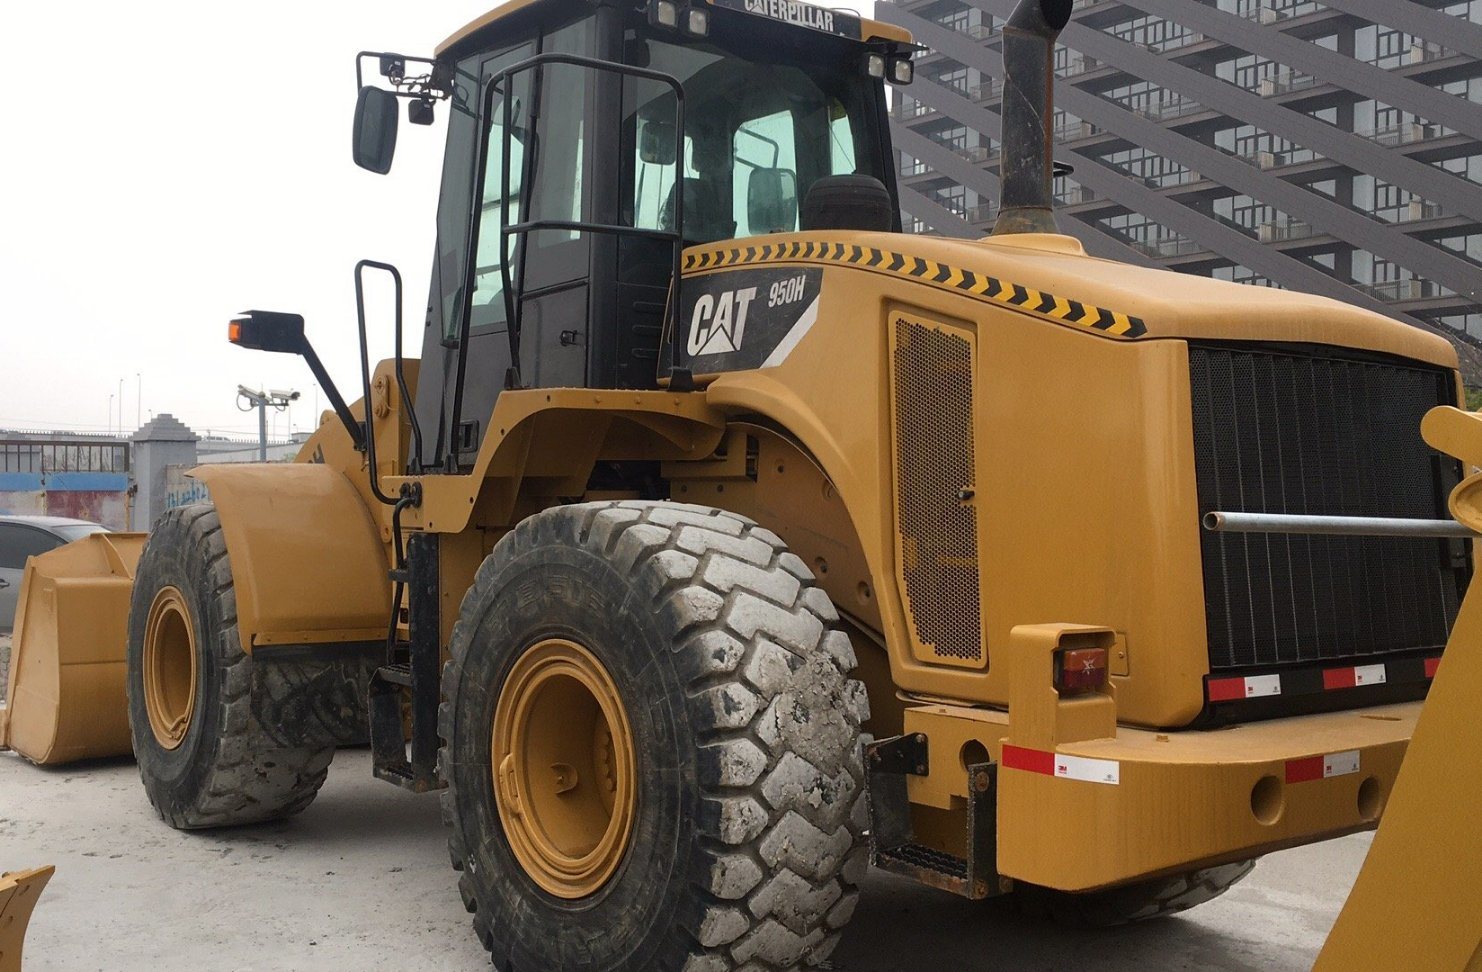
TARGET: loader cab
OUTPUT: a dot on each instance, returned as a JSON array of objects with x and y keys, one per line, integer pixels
[{"x": 770, "y": 107}]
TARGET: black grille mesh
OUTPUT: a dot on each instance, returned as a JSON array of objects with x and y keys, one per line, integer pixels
[
  {"x": 934, "y": 456},
  {"x": 1278, "y": 432}
]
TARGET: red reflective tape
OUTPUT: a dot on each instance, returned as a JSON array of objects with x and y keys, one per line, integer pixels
[
  {"x": 1302, "y": 770},
  {"x": 1225, "y": 689},
  {"x": 1342, "y": 678},
  {"x": 1033, "y": 760},
  {"x": 1431, "y": 664},
  {"x": 1338, "y": 678}
]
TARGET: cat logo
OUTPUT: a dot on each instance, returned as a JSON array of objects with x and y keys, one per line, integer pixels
[{"x": 719, "y": 322}]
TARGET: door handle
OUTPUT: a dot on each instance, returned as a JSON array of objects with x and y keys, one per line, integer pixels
[{"x": 4, "y": 583}]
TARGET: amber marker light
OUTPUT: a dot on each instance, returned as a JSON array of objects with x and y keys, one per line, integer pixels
[{"x": 1080, "y": 670}]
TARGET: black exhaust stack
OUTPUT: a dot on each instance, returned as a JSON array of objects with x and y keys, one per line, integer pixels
[{"x": 1026, "y": 198}]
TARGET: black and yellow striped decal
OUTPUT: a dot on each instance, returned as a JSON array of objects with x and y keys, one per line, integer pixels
[{"x": 999, "y": 291}]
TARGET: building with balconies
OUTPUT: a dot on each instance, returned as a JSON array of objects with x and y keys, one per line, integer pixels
[{"x": 1330, "y": 147}]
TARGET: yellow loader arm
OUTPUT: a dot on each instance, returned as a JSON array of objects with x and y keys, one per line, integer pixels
[
  {"x": 18, "y": 894},
  {"x": 1414, "y": 905}
]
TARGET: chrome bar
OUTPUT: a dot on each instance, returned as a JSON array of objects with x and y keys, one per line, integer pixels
[{"x": 1350, "y": 526}]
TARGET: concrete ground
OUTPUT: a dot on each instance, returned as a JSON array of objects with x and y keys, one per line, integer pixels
[{"x": 360, "y": 881}]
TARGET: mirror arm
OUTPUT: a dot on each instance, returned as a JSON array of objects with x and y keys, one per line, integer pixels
[{"x": 356, "y": 430}]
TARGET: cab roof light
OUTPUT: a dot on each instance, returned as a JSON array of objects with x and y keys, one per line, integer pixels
[
  {"x": 697, "y": 21},
  {"x": 874, "y": 64},
  {"x": 1079, "y": 670},
  {"x": 902, "y": 71},
  {"x": 663, "y": 13}
]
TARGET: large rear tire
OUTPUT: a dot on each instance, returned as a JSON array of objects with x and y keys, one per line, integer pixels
[
  {"x": 694, "y": 632},
  {"x": 222, "y": 738}
]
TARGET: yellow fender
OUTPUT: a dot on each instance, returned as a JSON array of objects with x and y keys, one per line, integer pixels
[
  {"x": 309, "y": 563},
  {"x": 1414, "y": 905},
  {"x": 66, "y": 699},
  {"x": 18, "y": 894}
]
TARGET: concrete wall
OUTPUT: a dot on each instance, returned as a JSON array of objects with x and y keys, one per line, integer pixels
[{"x": 102, "y": 497}]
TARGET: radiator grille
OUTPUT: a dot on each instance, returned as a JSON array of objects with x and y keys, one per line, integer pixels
[
  {"x": 1278, "y": 432},
  {"x": 933, "y": 400}
]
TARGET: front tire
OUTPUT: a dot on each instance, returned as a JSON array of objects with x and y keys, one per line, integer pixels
[
  {"x": 742, "y": 843},
  {"x": 220, "y": 737}
]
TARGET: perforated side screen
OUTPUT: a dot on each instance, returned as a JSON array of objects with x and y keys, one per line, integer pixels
[{"x": 938, "y": 532}]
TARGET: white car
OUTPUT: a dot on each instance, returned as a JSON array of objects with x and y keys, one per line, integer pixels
[{"x": 28, "y": 536}]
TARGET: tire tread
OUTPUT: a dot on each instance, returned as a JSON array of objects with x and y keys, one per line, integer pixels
[{"x": 782, "y": 822}]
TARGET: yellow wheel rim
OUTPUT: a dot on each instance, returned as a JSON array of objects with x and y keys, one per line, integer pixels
[
  {"x": 564, "y": 769},
  {"x": 169, "y": 667}
]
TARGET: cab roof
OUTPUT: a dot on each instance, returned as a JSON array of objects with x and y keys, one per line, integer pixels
[{"x": 869, "y": 29}]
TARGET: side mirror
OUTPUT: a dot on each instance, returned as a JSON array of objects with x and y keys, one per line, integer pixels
[
  {"x": 268, "y": 331},
  {"x": 772, "y": 200},
  {"x": 375, "y": 129},
  {"x": 656, "y": 142}
]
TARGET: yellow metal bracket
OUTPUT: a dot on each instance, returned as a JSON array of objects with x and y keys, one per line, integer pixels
[
  {"x": 1415, "y": 902},
  {"x": 18, "y": 894}
]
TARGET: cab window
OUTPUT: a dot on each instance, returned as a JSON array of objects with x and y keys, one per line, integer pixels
[{"x": 757, "y": 135}]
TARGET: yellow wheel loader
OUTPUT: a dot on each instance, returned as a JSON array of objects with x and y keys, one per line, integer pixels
[{"x": 724, "y": 540}]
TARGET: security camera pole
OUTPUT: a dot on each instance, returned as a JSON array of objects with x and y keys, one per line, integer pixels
[{"x": 261, "y": 400}]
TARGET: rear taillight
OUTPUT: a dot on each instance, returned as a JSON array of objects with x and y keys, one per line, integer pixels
[{"x": 1079, "y": 670}]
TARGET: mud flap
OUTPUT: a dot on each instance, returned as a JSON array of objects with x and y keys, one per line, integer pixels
[{"x": 18, "y": 894}]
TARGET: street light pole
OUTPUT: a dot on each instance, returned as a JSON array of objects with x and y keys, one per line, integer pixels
[{"x": 261, "y": 400}]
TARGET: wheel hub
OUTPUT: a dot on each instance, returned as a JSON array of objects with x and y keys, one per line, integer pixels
[
  {"x": 169, "y": 667},
  {"x": 564, "y": 768}
]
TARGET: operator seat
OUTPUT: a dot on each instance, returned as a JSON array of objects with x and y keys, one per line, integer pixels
[{"x": 705, "y": 220}]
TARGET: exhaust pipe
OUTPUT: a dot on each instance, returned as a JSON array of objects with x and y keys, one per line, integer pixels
[{"x": 1026, "y": 198}]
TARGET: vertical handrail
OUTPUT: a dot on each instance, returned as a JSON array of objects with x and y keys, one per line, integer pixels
[{"x": 365, "y": 383}]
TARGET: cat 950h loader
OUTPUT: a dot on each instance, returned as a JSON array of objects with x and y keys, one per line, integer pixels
[{"x": 725, "y": 540}]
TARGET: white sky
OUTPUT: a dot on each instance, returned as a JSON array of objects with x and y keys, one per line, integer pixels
[{"x": 165, "y": 165}]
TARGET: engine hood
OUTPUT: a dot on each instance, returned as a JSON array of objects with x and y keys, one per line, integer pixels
[{"x": 1050, "y": 275}]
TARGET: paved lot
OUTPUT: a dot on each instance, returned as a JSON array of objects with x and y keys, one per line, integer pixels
[{"x": 360, "y": 881}]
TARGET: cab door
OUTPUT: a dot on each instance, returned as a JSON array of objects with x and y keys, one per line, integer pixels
[{"x": 557, "y": 263}]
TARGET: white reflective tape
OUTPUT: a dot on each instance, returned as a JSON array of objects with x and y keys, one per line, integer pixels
[
  {"x": 1257, "y": 686},
  {"x": 794, "y": 335},
  {"x": 1368, "y": 675},
  {"x": 1341, "y": 764},
  {"x": 1089, "y": 770}
]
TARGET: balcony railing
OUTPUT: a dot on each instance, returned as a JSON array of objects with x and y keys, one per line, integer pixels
[
  {"x": 1415, "y": 288},
  {"x": 1168, "y": 247},
  {"x": 1418, "y": 209},
  {"x": 982, "y": 213},
  {"x": 1403, "y": 133},
  {"x": 1276, "y": 84},
  {"x": 1279, "y": 230},
  {"x": 1077, "y": 65},
  {"x": 1071, "y": 131},
  {"x": 1164, "y": 110}
]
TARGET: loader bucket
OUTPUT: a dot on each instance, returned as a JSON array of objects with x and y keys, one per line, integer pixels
[
  {"x": 18, "y": 894},
  {"x": 65, "y": 699}
]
